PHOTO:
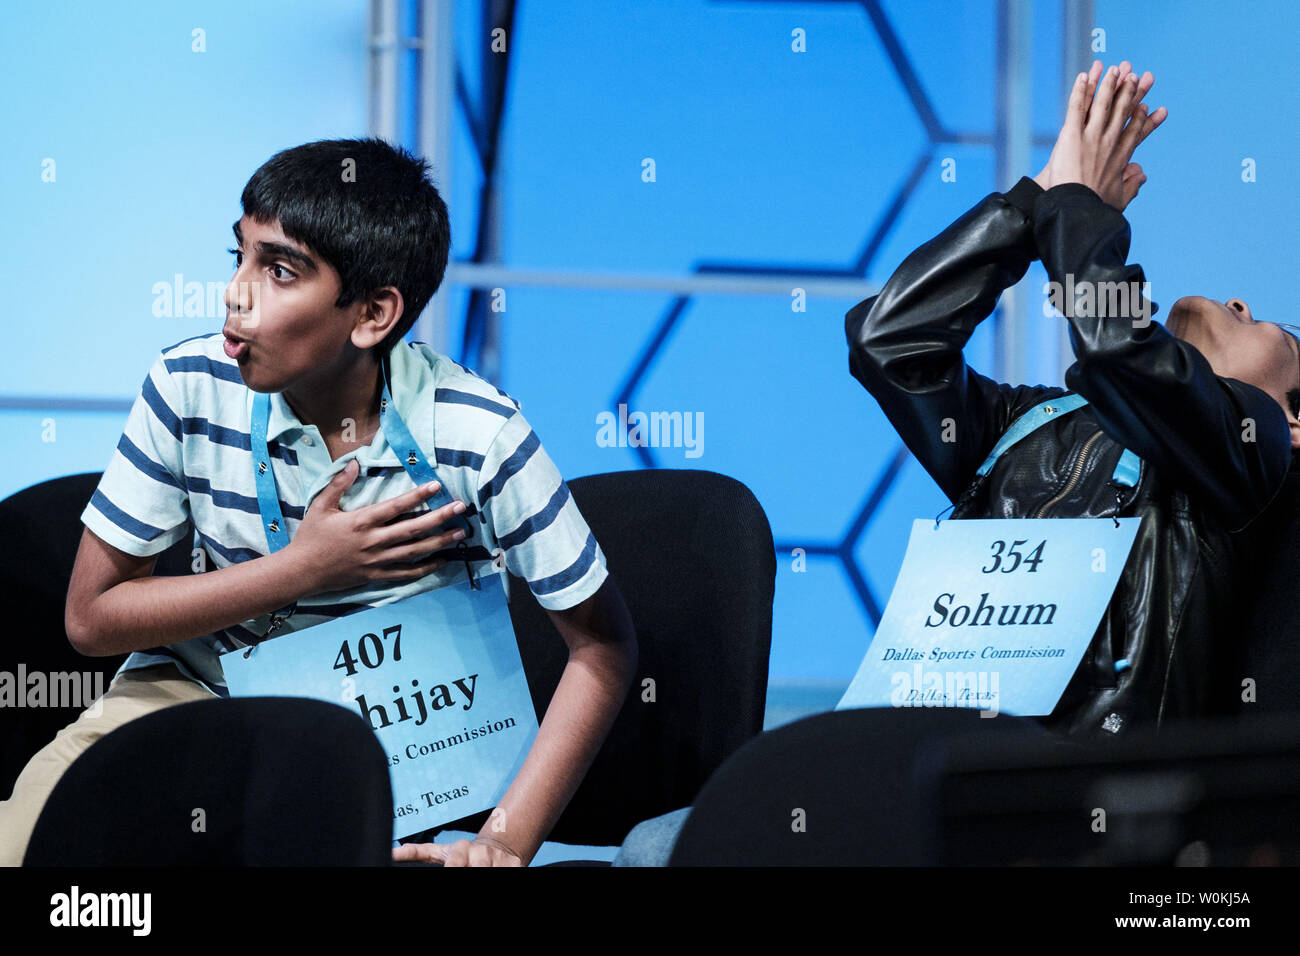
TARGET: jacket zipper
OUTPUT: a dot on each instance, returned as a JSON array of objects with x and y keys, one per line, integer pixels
[{"x": 1075, "y": 474}]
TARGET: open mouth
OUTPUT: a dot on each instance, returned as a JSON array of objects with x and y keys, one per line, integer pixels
[{"x": 235, "y": 349}]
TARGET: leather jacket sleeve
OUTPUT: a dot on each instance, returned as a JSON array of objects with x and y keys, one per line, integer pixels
[
  {"x": 1151, "y": 391},
  {"x": 905, "y": 344}
]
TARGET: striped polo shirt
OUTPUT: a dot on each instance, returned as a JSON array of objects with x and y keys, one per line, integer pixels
[{"x": 184, "y": 467}]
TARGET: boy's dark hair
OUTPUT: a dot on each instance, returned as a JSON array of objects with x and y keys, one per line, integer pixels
[{"x": 368, "y": 208}]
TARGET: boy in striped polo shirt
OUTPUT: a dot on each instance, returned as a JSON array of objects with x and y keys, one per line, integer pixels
[{"x": 341, "y": 245}]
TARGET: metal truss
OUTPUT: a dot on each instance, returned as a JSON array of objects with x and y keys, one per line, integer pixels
[{"x": 1012, "y": 139}]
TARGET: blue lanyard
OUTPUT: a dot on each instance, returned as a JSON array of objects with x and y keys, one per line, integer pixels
[
  {"x": 399, "y": 438},
  {"x": 1126, "y": 471}
]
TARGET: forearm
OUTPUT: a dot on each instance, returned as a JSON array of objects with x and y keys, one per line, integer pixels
[
  {"x": 1150, "y": 390},
  {"x": 148, "y": 611},
  {"x": 906, "y": 345},
  {"x": 940, "y": 292},
  {"x": 590, "y": 694}
]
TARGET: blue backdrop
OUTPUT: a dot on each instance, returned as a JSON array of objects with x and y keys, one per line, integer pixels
[{"x": 763, "y": 156}]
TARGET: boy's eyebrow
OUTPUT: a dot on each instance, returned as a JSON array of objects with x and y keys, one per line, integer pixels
[{"x": 272, "y": 250}]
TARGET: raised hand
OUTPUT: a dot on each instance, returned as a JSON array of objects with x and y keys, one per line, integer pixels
[{"x": 1099, "y": 135}]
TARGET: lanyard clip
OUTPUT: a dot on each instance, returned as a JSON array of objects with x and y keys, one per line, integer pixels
[{"x": 277, "y": 621}]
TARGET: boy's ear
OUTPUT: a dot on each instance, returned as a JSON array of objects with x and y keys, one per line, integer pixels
[{"x": 380, "y": 312}]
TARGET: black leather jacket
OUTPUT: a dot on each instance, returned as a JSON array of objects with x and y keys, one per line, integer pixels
[{"x": 1147, "y": 391}]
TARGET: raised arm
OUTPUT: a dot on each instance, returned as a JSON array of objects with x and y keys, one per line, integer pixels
[
  {"x": 905, "y": 344},
  {"x": 1153, "y": 392}
]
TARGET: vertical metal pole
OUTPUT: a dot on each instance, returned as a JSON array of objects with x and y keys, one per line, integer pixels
[
  {"x": 1076, "y": 57},
  {"x": 437, "y": 84},
  {"x": 481, "y": 346},
  {"x": 1014, "y": 139},
  {"x": 490, "y": 354},
  {"x": 383, "y": 69}
]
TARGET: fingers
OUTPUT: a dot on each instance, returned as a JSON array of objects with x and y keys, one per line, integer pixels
[
  {"x": 1142, "y": 125},
  {"x": 1099, "y": 113},
  {"x": 1145, "y": 82},
  {"x": 1090, "y": 90},
  {"x": 1076, "y": 111},
  {"x": 1118, "y": 116},
  {"x": 331, "y": 494},
  {"x": 1122, "y": 91},
  {"x": 424, "y": 548},
  {"x": 456, "y": 854},
  {"x": 1140, "y": 87},
  {"x": 1094, "y": 77},
  {"x": 1152, "y": 121},
  {"x": 1122, "y": 105},
  {"x": 1133, "y": 133},
  {"x": 431, "y": 520},
  {"x": 1129, "y": 190},
  {"x": 420, "y": 852},
  {"x": 409, "y": 549},
  {"x": 1134, "y": 178},
  {"x": 385, "y": 512},
  {"x": 460, "y": 853}
]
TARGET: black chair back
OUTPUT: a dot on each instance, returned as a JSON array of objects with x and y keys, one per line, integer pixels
[
  {"x": 41, "y": 529},
  {"x": 255, "y": 781},
  {"x": 692, "y": 553},
  {"x": 833, "y": 789}
]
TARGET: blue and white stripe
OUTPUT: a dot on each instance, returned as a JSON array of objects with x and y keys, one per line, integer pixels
[{"x": 184, "y": 458}]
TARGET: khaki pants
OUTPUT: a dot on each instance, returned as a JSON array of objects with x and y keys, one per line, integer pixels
[{"x": 130, "y": 695}]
